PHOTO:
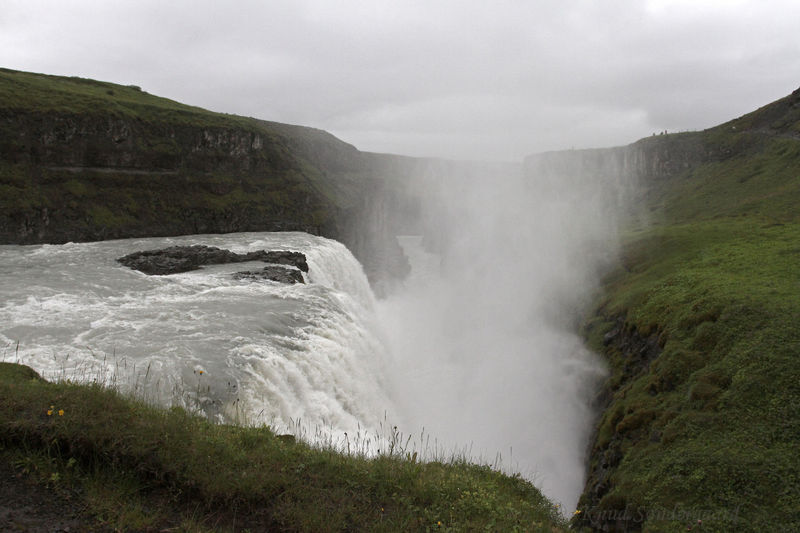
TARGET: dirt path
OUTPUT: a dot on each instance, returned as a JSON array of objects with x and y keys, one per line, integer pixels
[{"x": 31, "y": 508}]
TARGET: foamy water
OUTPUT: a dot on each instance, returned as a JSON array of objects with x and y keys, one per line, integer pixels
[{"x": 246, "y": 351}]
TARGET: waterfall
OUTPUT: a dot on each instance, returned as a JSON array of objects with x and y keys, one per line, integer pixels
[{"x": 239, "y": 351}]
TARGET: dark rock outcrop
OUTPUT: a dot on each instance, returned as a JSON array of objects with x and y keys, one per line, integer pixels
[
  {"x": 295, "y": 259},
  {"x": 272, "y": 273},
  {"x": 186, "y": 258},
  {"x": 636, "y": 351}
]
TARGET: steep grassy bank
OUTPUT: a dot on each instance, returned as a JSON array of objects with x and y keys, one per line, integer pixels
[
  {"x": 701, "y": 325},
  {"x": 131, "y": 467}
]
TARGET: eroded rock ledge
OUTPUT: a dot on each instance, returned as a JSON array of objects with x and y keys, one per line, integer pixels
[
  {"x": 273, "y": 273},
  {"x": 175, "y": 259},
  {"x": 631, "y": 351}
]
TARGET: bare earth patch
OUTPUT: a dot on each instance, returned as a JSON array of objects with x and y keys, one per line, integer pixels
[{"x": 32, "y": 508}]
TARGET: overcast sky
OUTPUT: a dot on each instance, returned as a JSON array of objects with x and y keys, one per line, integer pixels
[{"x": 461, "y": 79}]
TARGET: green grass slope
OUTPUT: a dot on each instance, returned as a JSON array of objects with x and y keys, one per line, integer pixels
[
  {"x": 701, "y": 325},
  {"x": 47, "y": 94},
  {"x": 24, "y": 91},
  {"x": 132, "y": 467}
]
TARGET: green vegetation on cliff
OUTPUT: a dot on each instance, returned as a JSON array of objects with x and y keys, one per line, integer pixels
[
  {"x": 701, "y": 325},
  {"x": 25, "y": 91},
  {"x": 132, "y": 467}
]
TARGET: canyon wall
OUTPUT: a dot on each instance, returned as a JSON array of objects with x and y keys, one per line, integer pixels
[{"x": 82, "y": 160}]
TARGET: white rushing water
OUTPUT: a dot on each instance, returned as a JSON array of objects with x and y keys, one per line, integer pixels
[{"x": 244, "y": 351}]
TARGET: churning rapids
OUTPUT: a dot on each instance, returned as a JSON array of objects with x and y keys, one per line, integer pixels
[
  {"x": 474, "y": 355},
  {"x": 239, "y": 350}
]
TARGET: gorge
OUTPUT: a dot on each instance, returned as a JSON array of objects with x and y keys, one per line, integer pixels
[{"x": 480, "y": 338}]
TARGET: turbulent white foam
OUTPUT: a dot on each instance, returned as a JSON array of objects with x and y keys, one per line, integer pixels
[{"x": 253, "y": 352}]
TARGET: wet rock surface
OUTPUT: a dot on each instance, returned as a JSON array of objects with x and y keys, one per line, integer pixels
[
  {"x": 638, "y": 350},
  {"x": 175, "y": 259},
  {"x": 34, "y": 508},
  {"x": 272, "y": 273}
]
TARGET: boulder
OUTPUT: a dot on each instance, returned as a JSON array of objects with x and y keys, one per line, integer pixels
[
  {"x": 273, "y": 273},
  {"x": 279, "y": 257},
  {"x": 175, "y": 259}
]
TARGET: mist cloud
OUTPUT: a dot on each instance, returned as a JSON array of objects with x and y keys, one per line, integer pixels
[{"x": 481, "y": 336}]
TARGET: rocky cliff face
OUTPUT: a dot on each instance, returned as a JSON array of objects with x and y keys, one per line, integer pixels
[
  {"x": 89, "y": 177},
  {"x": 83, "y": 160}
]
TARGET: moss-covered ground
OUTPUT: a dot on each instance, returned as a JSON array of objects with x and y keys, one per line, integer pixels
[{"x": 708, "y": 435}]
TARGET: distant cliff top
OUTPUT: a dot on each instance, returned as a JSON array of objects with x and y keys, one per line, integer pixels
[{"x": 672, "y": 154}]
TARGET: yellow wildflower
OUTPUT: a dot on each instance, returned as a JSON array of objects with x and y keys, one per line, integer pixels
[
  {"x": 577, "y": 512},
  {"x": 49, "y": 412},
  {"x": 60, "y": 412}
]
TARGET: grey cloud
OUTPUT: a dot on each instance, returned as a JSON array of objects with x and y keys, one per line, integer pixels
[{"x": 472, "y": 79}]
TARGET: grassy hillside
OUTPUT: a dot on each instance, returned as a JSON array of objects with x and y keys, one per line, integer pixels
[
  {"x": 701, "y": 324},
  {"x": 23, "y": 91},
  {"x": 131, "y": 467},
  {"x": 46, "y": 94}
]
